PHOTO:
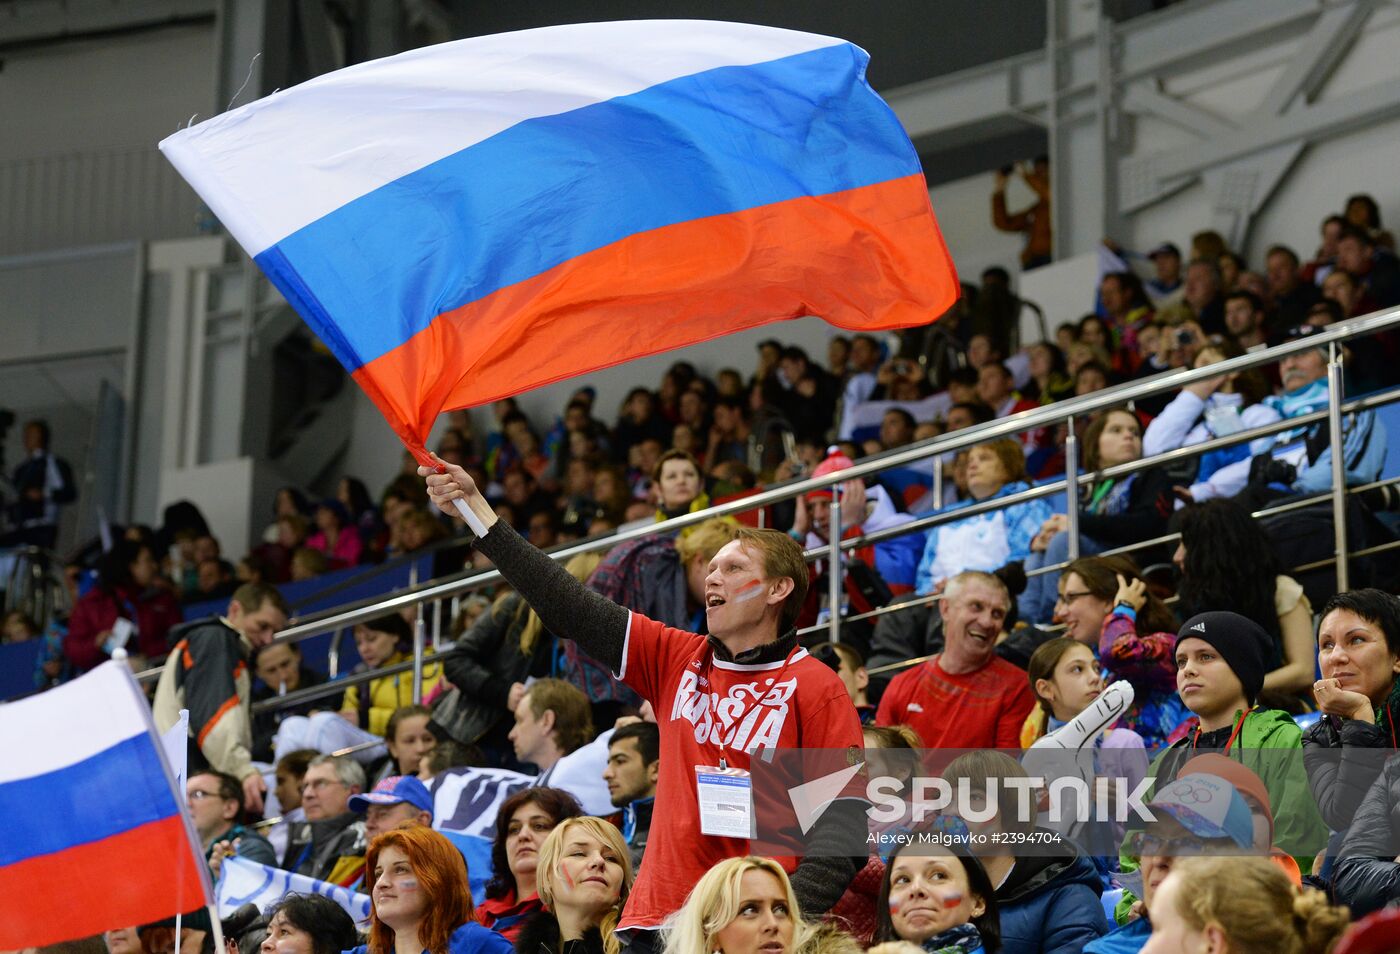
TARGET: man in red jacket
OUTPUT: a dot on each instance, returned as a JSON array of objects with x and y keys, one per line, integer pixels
[
  {"x": 748, "y": 686},
  {"x": 966, "y": 697}
]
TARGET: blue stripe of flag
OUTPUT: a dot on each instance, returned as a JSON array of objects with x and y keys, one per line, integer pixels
[
  {"x": 114, "y": 791},
  {"x": 550, "y": 189}
]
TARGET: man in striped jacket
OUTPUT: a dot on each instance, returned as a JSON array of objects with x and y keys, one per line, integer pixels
[{"x": 207, "y": 673}]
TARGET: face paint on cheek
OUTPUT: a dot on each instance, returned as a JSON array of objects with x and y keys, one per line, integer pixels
[
  {"x": 952, "y": 899},
  {"x": 407, "y": 884},
  {"x": 748, "y": 591},
  {"x": 567, "y": 877}
]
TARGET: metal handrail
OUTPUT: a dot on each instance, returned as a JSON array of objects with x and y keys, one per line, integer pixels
[{"x": 1003, "y": 427}]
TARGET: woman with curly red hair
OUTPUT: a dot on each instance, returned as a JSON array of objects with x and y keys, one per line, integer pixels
[{"x": 420, "y": 900}]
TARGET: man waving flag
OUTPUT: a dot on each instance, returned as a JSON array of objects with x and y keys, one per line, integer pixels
[{"x": 470, "y": 220}]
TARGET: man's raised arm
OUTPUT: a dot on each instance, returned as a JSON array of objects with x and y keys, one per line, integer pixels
[{"x": 567, "y": 608}]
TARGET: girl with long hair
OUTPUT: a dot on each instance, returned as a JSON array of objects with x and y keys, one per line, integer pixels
[
  {"x": 584, "y": 874},
  {"x": 522, "y": 825},
  {"x": 1113, "y": 511},
  {"x": 1227, "y": 563},
  {"x": 421, "y": 902},
  {"x": 129, "y": 597}
]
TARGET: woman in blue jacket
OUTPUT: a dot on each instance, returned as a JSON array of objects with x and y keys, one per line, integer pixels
[{"x": 420, "y": 902}]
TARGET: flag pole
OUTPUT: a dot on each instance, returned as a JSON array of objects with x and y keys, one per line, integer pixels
[
  {"x": 473, "y": 523},
  {"x": 217, "y": 927}
]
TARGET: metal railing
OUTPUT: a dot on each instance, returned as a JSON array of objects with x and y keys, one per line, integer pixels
[{"x": 1066, "y": 411}]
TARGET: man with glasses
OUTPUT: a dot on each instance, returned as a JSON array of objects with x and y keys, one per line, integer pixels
[
  {"x": 331, "y": 829},
  {"x": 215, "y": 801}
]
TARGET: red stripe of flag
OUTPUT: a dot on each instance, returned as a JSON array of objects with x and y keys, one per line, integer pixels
[{"x": 119, "y": 879}]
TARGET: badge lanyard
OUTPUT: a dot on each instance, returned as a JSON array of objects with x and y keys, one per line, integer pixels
[{"x": 756, "y": 701}]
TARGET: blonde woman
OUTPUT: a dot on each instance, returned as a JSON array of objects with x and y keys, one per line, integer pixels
[
  {"x": 583, "y": 875},
  {"x": 746, "y": 906},
  {"x": 492, "y": 661},
  {"x": 1239, "y": 906}
]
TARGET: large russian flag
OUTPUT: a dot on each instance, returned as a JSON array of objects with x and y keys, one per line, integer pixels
[
  {"x": 470, "y": 220},
  {"x": 93, "y": 836}
]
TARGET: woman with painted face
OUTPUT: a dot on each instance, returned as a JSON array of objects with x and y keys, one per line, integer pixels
[
  {"x": 522, "y": 825},
  {"x": 940, "y": 898},
  {"x": 584, "y": 874},
  {"x": 308, "y": 924},
  {"x": 420, "y": 902}
]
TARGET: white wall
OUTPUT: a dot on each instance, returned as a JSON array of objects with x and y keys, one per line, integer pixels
[
  {"x": 119, "y": 91},
  {"x": 1317, "y": 186}
]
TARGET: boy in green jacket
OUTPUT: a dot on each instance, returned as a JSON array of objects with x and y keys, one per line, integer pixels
[{"x": 1220, "y": 661}]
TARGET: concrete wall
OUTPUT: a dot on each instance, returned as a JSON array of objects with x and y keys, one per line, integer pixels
[{"x": 1317, "y": 186}]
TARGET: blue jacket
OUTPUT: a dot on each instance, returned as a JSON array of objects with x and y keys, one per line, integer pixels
[
  {"x": 1127, "y": 939},
  {"x": 1051, "y": 906},
  {"x": 470, "y": 938},
  {"x": 984, "y": 542}
]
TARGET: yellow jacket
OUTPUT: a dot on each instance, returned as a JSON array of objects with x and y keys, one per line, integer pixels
[{"x": 389, "y": 693}]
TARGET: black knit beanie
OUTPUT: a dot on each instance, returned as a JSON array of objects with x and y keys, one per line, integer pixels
[{"x": 1241, "y": 642}]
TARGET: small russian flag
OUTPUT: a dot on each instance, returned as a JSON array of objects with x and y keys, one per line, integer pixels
[
  {"x": 470, "y": 220},
  {"x": 95, "y": 835}
]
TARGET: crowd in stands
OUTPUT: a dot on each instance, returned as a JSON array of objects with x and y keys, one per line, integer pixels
[{"x": 613, "y": 691}]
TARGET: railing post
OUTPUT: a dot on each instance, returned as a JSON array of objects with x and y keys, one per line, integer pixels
[
  {"x": 1339, "y": 470},
  {"x": 417, "y": 638},
  {"x": 937, "y": 481},
  {"x": 1072, "y": 488},
  {"x": 833, "y": 566},
  {"x": 418, "y": 628}
]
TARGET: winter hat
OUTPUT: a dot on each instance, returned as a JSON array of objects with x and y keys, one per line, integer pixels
[
  {"x": 1245, "y": 781},
  {"x": 835, "y": 460},
  {"x": 1240, "y": 641}
]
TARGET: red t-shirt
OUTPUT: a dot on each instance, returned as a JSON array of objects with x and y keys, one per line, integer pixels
[
  {"x": 975, "y": 710},
  {"x": 698, "y": 700}
]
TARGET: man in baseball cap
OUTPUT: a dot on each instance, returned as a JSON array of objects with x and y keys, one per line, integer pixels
[{"x": 395, "y": 801}]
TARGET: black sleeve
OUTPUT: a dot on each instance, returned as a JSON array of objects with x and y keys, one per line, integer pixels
[
  {"x": 465, "y": 665},
  {"x": 1367, "y": 877},
  {"x": 68, "y": 492},
  {"x": 1341, "y": 766},
  {"x": 897, "y": 637},
  {"x": 567, "y": 608},
  {"x": 819, "y": 882}
]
